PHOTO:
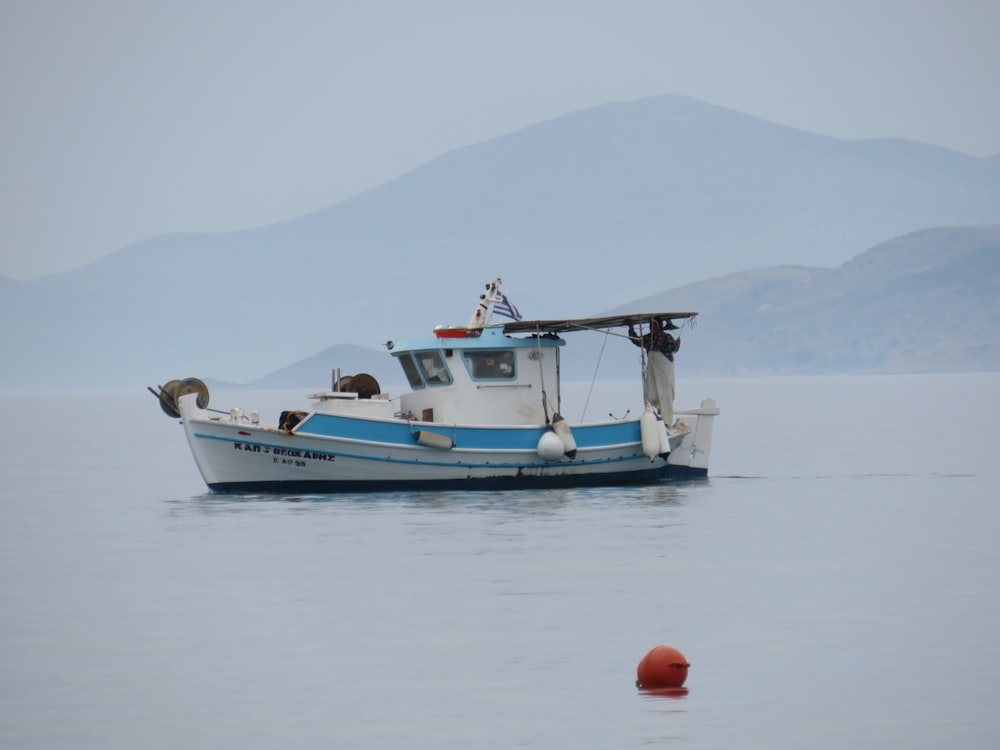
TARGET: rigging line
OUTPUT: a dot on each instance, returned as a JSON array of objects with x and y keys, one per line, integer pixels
[
  {"x": 608, "y": 331},
  {"x": 642, "y": 357},
  {"x": 558, "y": 382},
  {"x": 594, "y": 379},
  {"x": 541, "y": 373}
]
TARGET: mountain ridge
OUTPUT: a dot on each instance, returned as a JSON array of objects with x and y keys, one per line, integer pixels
[
  {"x": 781, "y": 297},
  {"x": 581, "y": 210}
]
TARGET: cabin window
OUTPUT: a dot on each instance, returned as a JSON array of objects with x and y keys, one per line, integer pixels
[
  {"x": 410, "y": 370},
  {"x": 490, "y": 365},
  {"x": 432, "y": 367}
]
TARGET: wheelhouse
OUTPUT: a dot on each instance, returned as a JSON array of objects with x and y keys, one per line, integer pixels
[{"x": 484, "y": 376}]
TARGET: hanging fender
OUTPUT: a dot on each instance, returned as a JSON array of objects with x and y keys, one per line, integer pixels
[
  {"x": 561, "y": 427},
  {"x": 649, "y": 433},
  {"x": 550, "y": 448},
  {"x": 434, "y": 440},
  {"x": 661, "y": 428}
]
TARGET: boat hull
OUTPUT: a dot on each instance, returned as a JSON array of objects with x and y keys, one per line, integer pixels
[
  {"x": 331, "y": 486},
  {"x": 330, "y": 453}
]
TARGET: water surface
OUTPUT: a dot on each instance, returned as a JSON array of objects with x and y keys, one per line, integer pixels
[{"x": 835, "y": 583}]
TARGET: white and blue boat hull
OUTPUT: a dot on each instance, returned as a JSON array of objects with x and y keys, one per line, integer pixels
[
  {"x": 336, "y": 453},
  {"x": 484, "y": 410}
]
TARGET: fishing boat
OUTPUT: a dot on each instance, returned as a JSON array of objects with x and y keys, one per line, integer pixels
[{"x": 482, "y": 412}]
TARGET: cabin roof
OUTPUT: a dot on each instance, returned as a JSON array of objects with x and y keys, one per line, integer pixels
[
  {"x": 497, "y": 334},
  {"x": 561, "y": 325}
]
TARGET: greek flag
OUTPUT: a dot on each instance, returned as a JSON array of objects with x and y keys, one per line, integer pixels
[{"x": 503, "y": 306}]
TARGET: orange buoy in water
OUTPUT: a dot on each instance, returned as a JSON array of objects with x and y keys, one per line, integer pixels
[{"x": 663, "y": 667}]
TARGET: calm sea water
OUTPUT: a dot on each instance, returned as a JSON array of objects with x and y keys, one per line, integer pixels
[{"x": 835, "y": 583}]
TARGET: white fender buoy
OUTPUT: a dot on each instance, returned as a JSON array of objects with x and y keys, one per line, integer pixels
[
  {"x": 550, "y": 447},
  {"x": 561, "y": 427},
  {"x": 435, "y": 440},
  {"x": 664, "y": 438},
  {"x": 650, "y": 433}
]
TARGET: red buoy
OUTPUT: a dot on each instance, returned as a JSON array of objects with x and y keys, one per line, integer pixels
[{"x": 663, "y": 667}]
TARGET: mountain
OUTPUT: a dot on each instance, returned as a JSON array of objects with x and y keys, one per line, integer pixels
[
  {"x": 926, "y": 302},
  {"x": 318, "y": 371},
  {"x": 577, "y": 213}
]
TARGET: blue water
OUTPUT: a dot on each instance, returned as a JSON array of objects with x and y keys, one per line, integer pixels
[{"x": 835, "y": 583}]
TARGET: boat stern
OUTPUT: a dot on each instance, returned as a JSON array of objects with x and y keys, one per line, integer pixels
[{"x": 695, "y": 450}]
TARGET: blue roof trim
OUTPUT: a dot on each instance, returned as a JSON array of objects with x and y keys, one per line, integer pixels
[{"x": 491, "y": 337}]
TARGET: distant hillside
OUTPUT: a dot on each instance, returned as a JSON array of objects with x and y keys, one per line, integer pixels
[
  {"x": 578, "y": 213},
  {"x": 927, "y": 302},
  {"x": 317, "y": 371}
]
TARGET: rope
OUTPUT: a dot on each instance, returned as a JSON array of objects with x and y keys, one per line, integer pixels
[
  {"x": 600, "y": 356},
  {"x": 558, "y": 381},
  {"x": 541, "y": 373}
]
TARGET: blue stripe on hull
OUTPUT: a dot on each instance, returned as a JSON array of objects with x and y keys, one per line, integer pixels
[
  {"x": 473, "y": 438},
  {"x": 426, "y": 457},
  {"x": 323, "y": 486}
]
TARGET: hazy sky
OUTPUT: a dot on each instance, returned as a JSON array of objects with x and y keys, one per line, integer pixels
[{"x": 124, "y": 119}]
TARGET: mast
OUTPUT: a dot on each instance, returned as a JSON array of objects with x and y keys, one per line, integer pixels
[{"x": 478, "y": 319}]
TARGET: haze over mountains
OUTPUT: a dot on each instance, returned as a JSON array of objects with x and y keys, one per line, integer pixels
[
  {"x": 926, "y": 302},
  {"x": 663, "y": 201}
]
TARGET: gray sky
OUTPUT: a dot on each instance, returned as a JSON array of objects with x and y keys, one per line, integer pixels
[{"x": 125, "y": 119}]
